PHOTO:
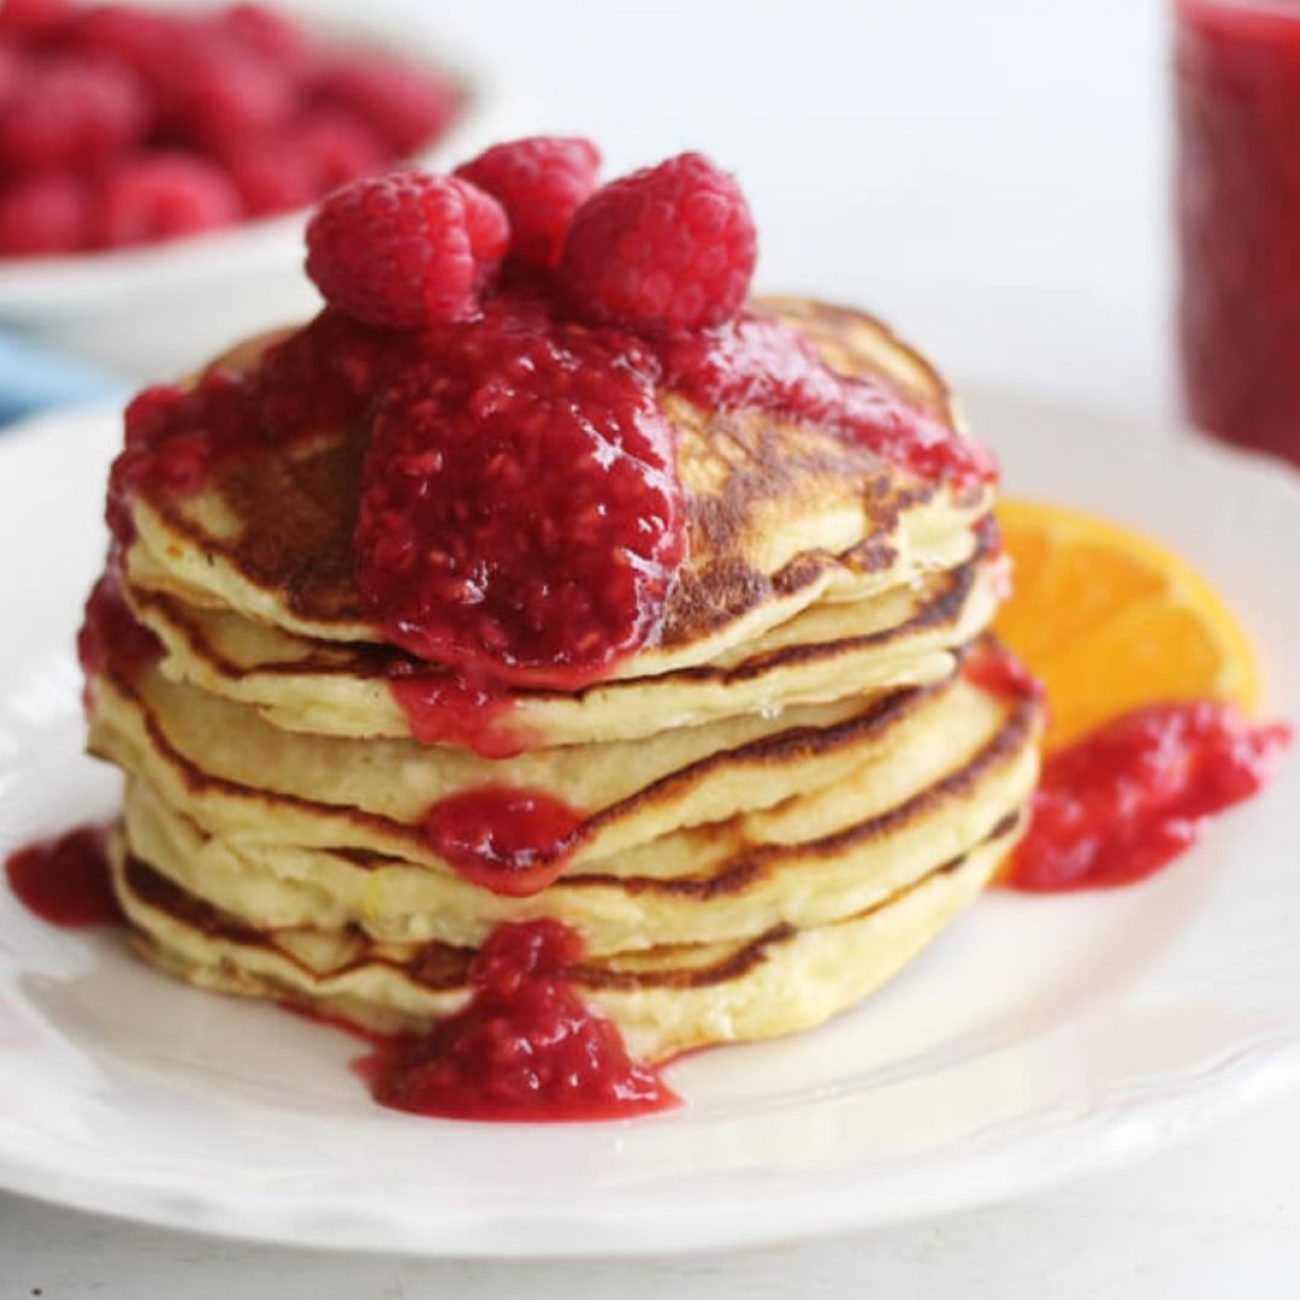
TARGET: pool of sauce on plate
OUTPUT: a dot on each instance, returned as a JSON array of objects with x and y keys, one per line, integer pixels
[
  {"x": 1126, "y": 800},
  {"x": 525, "y": 1048},
  {"x": 65, "y": 880}
]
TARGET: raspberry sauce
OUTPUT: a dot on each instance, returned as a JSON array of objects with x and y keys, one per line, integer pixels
[
  {"x": 452, "y": 709},
  {"x": 993, "y": 668},
  {"x": 321, "y": 377},
  {"x": 109, "y": 628},
  {"x": 757, "y": 361},
  {"x": 521, "y": 516},
  {"x": 167, "y": 451},
  {"x": 521, "y": 522},
  {"x": 510, "y": 840},
  {"x": 65, "y": 881},
  {"x": 525, "y": 1048},
  {"x": 1239, "y": 131},
  {"x": 1126, "y": 800}
]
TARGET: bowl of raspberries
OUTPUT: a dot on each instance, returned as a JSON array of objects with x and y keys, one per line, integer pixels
[{"x": 158, "y": 161}]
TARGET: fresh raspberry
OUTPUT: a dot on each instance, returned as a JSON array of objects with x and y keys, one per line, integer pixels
[
  {"x": 273, "y": 175},
  {"x": 270, "y": 35},
  {"x": 74, "y": 111},
  {"x": 338, "y": 146},
  {"x": 162, "y": 195},
  {"x": 145, "y": 40},
  {"x": 40, "y": 18},
  {"x": 43, "y": 214},
  {"x": 319, "y": 152},
  {"x": 406, "y": 249},
  {"x": 670, "y": 246},
  {"x": 221, "y": 95},
  {"x": 408, "y": 106},
  {"x": 541, "y": 182},
  {"x": 11, "y": 72}
]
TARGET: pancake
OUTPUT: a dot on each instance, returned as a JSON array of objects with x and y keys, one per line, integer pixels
[
  {"x": 780, "y": 516},
  {"x": 664, "y": 1001},
  {"x": 927, "y": 795},
  {"x": 777, "y": 799},
  {"x": 231, "y": 772},
  {"x": 899, "y": 638}
]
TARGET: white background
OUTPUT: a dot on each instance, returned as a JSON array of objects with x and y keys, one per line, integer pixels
[{"x": 991, "y": 175}]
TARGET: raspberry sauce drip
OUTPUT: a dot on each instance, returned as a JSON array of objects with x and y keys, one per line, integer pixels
[
  {"x": 321, "y": 377},
  {"x": 171, "y": 441},
  {"x": 1126, "y": 800},
  {"x": 760, "y": 362},
  {"x": 510, "y": 840},
  {"x": 993, "y": 668},
  {"x": 454, "y": 709},
  {"x": 524, "y": 1049},
  {"x": 65, "y": 881},
  {"x": 521, "y": 516},
  {"x": 110, "y": 630}
]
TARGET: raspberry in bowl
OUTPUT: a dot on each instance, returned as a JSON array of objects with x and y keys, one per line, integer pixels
[{"x": 157, "y": 163}]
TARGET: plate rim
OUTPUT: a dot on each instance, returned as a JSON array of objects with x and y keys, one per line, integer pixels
[{"x": 1268, "y": 1070}]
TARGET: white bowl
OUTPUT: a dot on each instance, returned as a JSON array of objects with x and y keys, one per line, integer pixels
[{"x": 162, "y": 309}]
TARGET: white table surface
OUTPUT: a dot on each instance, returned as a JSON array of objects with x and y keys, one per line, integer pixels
[{"x": 991, "y": 175}]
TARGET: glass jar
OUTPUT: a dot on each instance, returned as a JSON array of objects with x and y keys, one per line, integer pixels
[{"x": 1238, "y": 87}]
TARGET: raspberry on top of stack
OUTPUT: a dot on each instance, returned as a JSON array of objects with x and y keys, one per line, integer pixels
[{"x": 546, "y": 656}]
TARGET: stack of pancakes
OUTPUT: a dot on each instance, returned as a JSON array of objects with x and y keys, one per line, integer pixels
[{"x": 784, "y": 796}]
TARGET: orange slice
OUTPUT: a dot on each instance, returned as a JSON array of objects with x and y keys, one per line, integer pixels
[{"x": 1111, "y": 620}]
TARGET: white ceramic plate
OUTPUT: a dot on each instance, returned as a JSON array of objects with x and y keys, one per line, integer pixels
[{"x": 1040, "y": 1036}]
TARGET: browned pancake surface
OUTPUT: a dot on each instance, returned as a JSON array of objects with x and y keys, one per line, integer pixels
[{"x": 293, "y": 509}]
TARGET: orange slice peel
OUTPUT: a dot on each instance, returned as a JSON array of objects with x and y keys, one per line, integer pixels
[{"x": 1111, "y": 620}]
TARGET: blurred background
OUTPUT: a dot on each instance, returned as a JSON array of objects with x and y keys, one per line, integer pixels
[{"x": 991, "y": 176}]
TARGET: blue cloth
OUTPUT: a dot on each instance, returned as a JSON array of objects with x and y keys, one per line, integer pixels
[{"x": 33, "y": 378}]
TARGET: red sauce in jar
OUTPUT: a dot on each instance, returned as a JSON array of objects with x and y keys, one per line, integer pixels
[
  {"x": 524, "y": 1049},
  {"x": 65, "y": 881},
  {"x": 1124, "y": 801},
  {"x": 510, "y": 840},
  {"x": 1239, "y": 126}
]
